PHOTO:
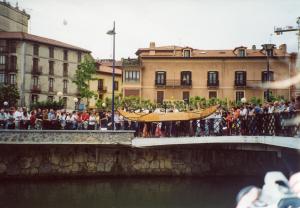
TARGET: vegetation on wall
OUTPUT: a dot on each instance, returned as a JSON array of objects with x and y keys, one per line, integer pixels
[{"x": 9, "y": 94}]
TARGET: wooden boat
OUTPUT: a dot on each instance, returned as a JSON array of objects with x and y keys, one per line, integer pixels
[{"x": 172, "y": 116}]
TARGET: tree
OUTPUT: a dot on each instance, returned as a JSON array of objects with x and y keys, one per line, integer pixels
[
  {"x": 10, "y": 94},
  {"x": 83, "y": 75}
]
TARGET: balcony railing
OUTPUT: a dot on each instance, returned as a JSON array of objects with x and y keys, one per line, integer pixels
[
  {"x": 172, "y": 83},
  {"x": 37, "y": 70},
  {"x": 36, "y": 88},
  {"x": 65, "y": 73},
  {"x": 214, "y": 83},
  {"x": 51, "y": 89},
  {"x": 240, "y": 83},
  {"x": 102, "y": 89},
  {"x": 65, "y": 90}
]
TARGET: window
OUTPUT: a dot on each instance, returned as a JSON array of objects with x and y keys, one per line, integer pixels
[
  {"x": 240, "y": 78},
  {"x": 116, "y": 85},
  {"x": 51, "y": 81},
  {"x": 35, "y": 80},
  {"x": 51, "y": 67},
  {"x": 186, "y": 78},
  {"x": 12, "y": 47},
  {"x": 213, "y": 78},
  {"x": 3, "y": 46},
  {"x": 2, "y": 78},
  {"x": 187, "y": 53},
  {"x": 79, "y": 57},
  {"x": 65, "y": 83},
  {"x": 34, "y": 98},
  {"x": 160, "y": 97},
  {"x": 239, "y": 95},
  {"x": 65, "y": 101},
  {"x": 35, "y": 65},
  {"x": 2, "y": 62},
  {"x": 51, "y": 52},
  {"x": 35, "y": 49},
  {"x": 242, "y": 52},
  {"x": 100, "y": 84},
  {"x": 266, "y": 94},
  {"x": 50, "y": 98},
  {"x": 212, "y": 94},
  {"x": 186, "y": 96},
  {"x": 160, "y": 78},
  {"x": 12, "y": 79},
  {"x": 133, "y": 76},
  {"x": 264, "y": 76},
  {"x": 65, "y": 55},
  {"x": 65, "y": 70},
  {"x": 13, "y": 63}
]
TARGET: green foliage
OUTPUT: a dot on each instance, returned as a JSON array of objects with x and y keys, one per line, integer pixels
[
  {"x": 10, "y": 94},
  {"x": 83, "y": 75},
  {"x": 255, "y": 101},
  {"x": 48, "y": 105}
]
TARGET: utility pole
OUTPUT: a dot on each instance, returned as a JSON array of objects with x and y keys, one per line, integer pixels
[{"x": 280, "y": 31}]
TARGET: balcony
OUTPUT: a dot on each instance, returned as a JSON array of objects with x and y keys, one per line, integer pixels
[
  {"x": 102, "y": 89},
  {"x": 240, "y": 83},
  {"x": 65, "y": 90},
  {"x": 12, "y": 70},
  {"x": 65, "y": 73},
  {"x": 37, "y": 70},
  {"x": 36, "y": 88},
  {"x": 174, "y": 83},
  {"x": 51, "y": 89},
  {"x": 211, "y": 83}
]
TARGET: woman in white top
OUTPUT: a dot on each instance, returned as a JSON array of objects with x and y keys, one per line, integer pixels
[{"x": 92, "y": 121}]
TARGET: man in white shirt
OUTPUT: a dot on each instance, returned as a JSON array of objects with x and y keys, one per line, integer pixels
[{"x": 18, "y": 117}]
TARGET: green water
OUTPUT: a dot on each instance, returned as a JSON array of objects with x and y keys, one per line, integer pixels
[{"x": 210, "y": 192}]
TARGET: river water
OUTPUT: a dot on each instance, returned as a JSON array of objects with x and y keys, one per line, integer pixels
[{"x": 212, "y": 192}]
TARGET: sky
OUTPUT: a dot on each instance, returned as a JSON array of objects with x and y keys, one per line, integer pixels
[{"x": 201, "y": 24}]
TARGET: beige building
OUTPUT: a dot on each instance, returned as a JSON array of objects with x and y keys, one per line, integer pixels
[
  {"x": 40, "y": 67},
  {"x": 173, "y": 72},
  {"x": 12, "y": 19},
  {"x": 102, "y": 81}
]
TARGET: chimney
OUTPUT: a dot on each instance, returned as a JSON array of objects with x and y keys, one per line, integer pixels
[
  {"x": 254, "y": 47},
  {"x": 152, "y": 45},
  {"x": 282, "y": 47},
  {"x": 152, "y": 48}
]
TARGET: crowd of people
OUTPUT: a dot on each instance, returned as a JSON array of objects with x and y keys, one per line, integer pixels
[{"x": 248, "y": 119}]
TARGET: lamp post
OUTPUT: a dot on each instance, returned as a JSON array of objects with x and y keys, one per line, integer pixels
[
  {"x": 5, "y": 103},
  {"x": 113, "y": 33},
  {"x": 268, "y": 48},
  {"x": 75, "y": 101}
]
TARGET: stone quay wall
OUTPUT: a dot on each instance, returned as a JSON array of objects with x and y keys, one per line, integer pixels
[{"x": 94, "y": 160}]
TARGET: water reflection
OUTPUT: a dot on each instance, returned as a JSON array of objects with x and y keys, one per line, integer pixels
[{"x": 123, "y": 193}]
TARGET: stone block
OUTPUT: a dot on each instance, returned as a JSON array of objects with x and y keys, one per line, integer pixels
[
  {"x": 91, "y": 166},
  {"x": 80, "y": 157},
  {"x": 54, "y": 159},
  {"x": 154, "y": 164},
  {"x": 100, "y": 167},
  {"x": 25, "y": 162},
  {"x": 2, "y": 168},
  {"x": 168, "y": 164},
  {"x": 75, "y": 167}
]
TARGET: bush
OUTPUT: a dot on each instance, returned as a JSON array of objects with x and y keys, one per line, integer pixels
[{"x": 48, "y": 105}]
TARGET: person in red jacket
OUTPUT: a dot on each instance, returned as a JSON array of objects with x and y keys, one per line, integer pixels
[{"x": 85, "y": 119}]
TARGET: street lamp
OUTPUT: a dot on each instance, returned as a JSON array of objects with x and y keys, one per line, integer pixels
[
  {"x": 75, "y": 101},
  {"x": 113, "y": 33},
  {"x": 5, "y": 103},
  {"x": 268, "y": 48}
]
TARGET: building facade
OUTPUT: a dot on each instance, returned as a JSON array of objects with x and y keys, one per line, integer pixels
[
  {"x": 102, "y": 81},
  {"x": 41, "y": 68},
  {"x": 12, "y": 19},
  {"x": 173, "y": 72},
  {"x": 132, "y": 82}
]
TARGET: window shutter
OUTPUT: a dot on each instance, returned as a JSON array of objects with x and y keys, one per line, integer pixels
[
  {"x": 217, "y": 75},
  {"x": 181, "y": 78},
  {"x": 156, "y": 77},
  {"x": 165, "y": 75}
]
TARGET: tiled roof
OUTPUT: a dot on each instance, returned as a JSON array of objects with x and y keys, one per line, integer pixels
[
  {"x": 176, "y": 51},
  {"x": 38, "y": 39},
  {"x": 108, "y": 69}
]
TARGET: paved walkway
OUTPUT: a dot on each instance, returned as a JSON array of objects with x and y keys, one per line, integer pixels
[{"x": 288, "y": 142}]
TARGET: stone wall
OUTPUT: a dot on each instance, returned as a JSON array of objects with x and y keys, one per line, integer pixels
[
  {"x": 94, "y": 160},
  {"x": 66, "y": 137}
]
